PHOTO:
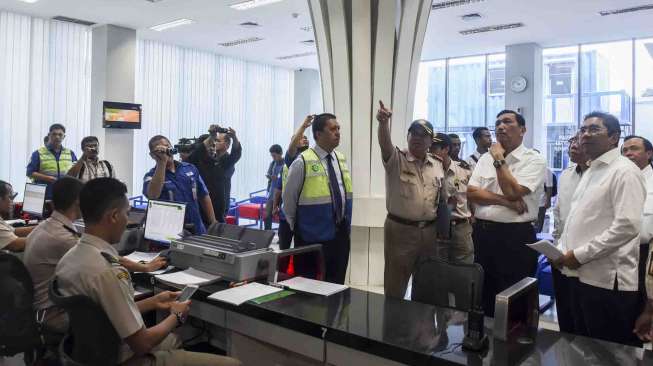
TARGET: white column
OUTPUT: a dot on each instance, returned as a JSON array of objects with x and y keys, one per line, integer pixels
[
  {"x": 368, "y": 50},
  {"x": 112, "y": 79},
  {"x": 526, "y": 60}
]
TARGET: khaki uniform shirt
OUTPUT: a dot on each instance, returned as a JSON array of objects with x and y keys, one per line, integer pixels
[
  {"x": 456, "y": 179},
  {"x": 84, "y": 271},
  {"x": 45, "y": 246},
  {"x": 6, "y": 234},
  {"x": 412, "y": 187}
]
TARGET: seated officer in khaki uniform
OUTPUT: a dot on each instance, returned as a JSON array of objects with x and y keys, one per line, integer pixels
[
  {"x": 460, "y": 247},
  {"x": 413, "y": 184},
  {"x": 92, "y": 268}
]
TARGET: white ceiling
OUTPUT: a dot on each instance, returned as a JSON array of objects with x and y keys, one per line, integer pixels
[
  {"x": 547, "y": 22},
  {"x": 215, "y": 22}
]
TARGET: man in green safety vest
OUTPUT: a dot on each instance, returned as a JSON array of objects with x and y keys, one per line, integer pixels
[
  {"x": 52, "y": 161},
  {"x": 318, "y": 201}
]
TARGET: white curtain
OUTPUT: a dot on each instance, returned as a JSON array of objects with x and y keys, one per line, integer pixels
[
  {"x": 183, "y": 91},
  {"x": 45, "y": 75}
]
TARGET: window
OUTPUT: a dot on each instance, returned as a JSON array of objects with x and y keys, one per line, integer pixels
[
  {"x": 459, "y": 94},
  {"x": 644, "y": 87}
]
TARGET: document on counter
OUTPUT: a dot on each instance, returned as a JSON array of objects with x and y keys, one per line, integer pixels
[
  {"x": 191, "y": 276},
  {"x": 313, "y": 286},
  {"x": 142, "y": 256},
  {"x": 244, "y": 293},
  {"x": 547, "y": 248}
]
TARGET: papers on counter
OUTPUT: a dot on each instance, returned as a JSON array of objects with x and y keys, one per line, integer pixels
[
  {"x": 142, "y": 256},
  {"x": 190, "y": 276},
  {"x": 313, "y": 286},
  {"x": 244, "y": 293},
  {"x": 547, "y": 248}
]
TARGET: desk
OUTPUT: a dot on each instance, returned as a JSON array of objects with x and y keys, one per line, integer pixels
[{"x": 360, "y": 328}]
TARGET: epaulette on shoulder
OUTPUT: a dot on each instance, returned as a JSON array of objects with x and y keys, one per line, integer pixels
[
  {"x": 109, "y": 258},
  {"x": 465, "y": 165}
]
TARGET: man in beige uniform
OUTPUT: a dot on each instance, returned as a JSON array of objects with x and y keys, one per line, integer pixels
[
  {"x": 413, "y": 183},
  {"x": 460, "y": 247},
  {"x": 92, "y": 268},
  {"x": 10, "y": 239}
]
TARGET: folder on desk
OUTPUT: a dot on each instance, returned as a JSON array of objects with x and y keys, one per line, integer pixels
[
  {"x": 313, "y": 286},
  {"x": 244, "y": 293}
]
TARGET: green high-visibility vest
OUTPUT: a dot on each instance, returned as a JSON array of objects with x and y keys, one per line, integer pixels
[{"x": 49, "y": 164}]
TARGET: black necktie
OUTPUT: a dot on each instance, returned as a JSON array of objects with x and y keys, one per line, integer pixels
[{"x": 335, "y": 189}]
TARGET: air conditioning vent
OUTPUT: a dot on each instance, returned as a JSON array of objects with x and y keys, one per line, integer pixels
[
  {"x": 309, "y": 42},
  {"x": 73, "y": 20},
  {"x": 453, "y": 3},
  {"x": 626, "y": 10},
  {"x": 250, "y": 25},
  {"x": 491, "y": 28},
  {"x": 471, "y": 17},
  {"x": 297, "y": 55},
  {"x": 240, "y": 41}
]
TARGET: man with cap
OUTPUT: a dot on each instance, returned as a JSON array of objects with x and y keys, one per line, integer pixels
[
  {"x": 460, "y": 248},
  {"x": 413, "y": 182}
]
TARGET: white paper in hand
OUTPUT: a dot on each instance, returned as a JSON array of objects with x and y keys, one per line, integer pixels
[{"x": 547, "y": 248}]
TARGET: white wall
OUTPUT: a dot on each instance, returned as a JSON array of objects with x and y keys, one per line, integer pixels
[{"x": 308, "y": 95}]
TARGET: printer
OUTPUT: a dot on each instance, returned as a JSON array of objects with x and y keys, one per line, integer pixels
[{"x": 233, "y": 252}]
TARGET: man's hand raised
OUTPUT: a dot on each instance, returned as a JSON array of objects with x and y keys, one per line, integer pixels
[{"x": 384, "y": 114}]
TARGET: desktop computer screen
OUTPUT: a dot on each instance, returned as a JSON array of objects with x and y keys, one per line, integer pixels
[
  {"x": 34, "y": 199},
  {"x": 164, "y": 220}
]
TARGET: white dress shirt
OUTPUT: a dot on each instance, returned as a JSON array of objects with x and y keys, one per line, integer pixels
[
  {"x": 604, "y": 222},
  {"x": 548, "y": 183},
  {"x": 295, "y": 181},
  {"x": 569, "y": 179},
  {"x": 528, "y": 167},
  {"x": 472, "y": 159},
  {"x": 647, "y": 216}
]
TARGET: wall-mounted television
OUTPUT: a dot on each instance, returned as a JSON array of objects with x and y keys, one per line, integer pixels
[{"x": 121, "y": 115}]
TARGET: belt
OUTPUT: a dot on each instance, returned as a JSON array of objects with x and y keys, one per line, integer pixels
[
  {"x": 487, "y": 223},
  {"x": 419, "y": 224},
  {"x": 458, "y": 221}
]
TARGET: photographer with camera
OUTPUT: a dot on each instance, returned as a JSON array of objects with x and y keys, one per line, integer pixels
[
  {"x": 214, "y": 164},
  {"x": 171, "y": 180},
  {"x": 186, "y": 146},
  {"x": 89, "y": 166}
]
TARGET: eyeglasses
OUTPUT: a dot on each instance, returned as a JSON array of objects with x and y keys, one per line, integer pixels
[
  {"x": 591, "y": 130},
  {"x": 13, "y": 195}
]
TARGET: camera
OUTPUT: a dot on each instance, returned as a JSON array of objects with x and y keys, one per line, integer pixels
[
  {"x": 217, "y": 130},
  {"x": 186, "y": 145},
  {"x": 172, "y": 151}
]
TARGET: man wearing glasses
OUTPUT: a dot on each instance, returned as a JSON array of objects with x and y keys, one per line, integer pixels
[
  {"x": 601, "y": 236},
  {"x": 10, "y": 239},
  {"x": 505, "y": 188},
  {"x": 52, "y": 161}
]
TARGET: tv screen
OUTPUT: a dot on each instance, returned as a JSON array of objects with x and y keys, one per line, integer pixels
[{"x": 121, "y": 115}]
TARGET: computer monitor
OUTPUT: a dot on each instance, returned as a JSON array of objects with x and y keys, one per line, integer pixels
[
  {"x": 34, "y": 199},
  {"x": 516, "y": 311},
  {"x": 164, "y": 220}
]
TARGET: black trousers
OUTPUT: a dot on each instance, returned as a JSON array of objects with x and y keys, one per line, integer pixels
[
  {"x": 606, "y": 314},
  {"x": 643, "y": 257},
  {"x": 285, "y": 238},
  {"x": 500, "y": 248},
  {"x": 336, "y": 256},
  {"x": 563, "y": 287}
]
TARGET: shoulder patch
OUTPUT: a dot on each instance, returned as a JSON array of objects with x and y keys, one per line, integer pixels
[
  {"x": 463, "y": 164},
  {"x": 123, "y": 275},
  {"x": 109, "y": 258}
]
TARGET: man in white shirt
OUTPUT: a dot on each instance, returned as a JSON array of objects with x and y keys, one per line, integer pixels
[
  {"x": 483, "y": 139},
  {"x": 601, "y": 236},
  {"x": 569, "y": 179},
  {"x": 505, "y": 188}
]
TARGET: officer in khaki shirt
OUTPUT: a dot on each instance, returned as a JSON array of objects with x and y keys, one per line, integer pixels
[
  {"x": 92, "y": 268},
  {"x": 460, "y": 247},
  {"x": 10, "y": 239},
  {"x": 413, "y": 187}
]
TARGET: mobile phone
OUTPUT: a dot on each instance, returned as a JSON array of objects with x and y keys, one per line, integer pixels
[{"x": 187, "y": 292}]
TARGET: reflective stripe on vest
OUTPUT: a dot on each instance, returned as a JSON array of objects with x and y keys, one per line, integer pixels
[
  {"x": 315, "y": 218},
  {"x": 50, "y": 166},
  {"x": 284, "y": 177}
]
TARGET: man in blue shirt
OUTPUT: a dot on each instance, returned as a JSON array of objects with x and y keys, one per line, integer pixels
[
  {"x": 52, "y": 161},
  {"x": 171, "y": 180}
]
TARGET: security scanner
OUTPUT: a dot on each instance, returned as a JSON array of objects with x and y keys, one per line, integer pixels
[
  {"x": 235, "y": 253},
  {"x": 516, "y": 312},
  {"x": 34, "y": 199}
]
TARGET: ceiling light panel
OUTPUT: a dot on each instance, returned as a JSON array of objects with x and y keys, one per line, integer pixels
[
  {"x": 72, "y": 20},
  {"x": 251, "y": 4},
  {"x": 172, "y": 24},
  {"x": 453, "y": 3},
  {"x": 491, "y": 28},
  {"x": 240, "y": 41},
  {"x": 29, "y": 1},
  {"x": 626, "y": 10}
]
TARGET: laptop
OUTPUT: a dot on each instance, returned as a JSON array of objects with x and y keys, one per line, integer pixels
[{"x": 34, "y": 199}]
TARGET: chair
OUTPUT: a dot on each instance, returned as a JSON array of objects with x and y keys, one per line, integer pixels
[
  {"x": 446, "y": 284},
  {"x": 92, "y": 339},
  {"x": 19, "y": 331}
]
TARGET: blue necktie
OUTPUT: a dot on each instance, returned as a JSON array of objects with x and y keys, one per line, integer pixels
[{"x": 336, "y": 197}]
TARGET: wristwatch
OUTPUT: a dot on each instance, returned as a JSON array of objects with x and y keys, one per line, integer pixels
[
  {"x": 180, "y": 318},
  {"x": 498, "y": 163}
]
